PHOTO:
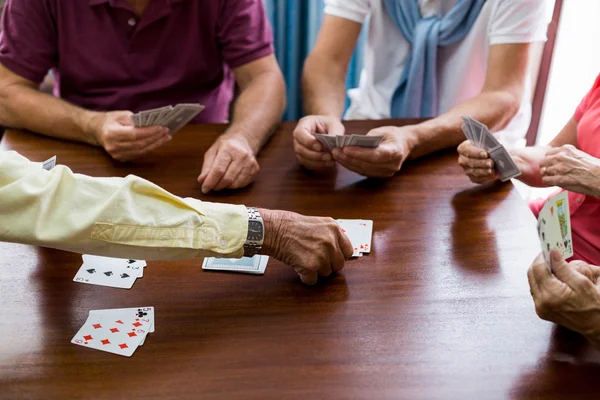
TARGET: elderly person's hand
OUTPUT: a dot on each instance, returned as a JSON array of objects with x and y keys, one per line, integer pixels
[
  {"x": 567, "y": 294},
  {"x": 476, "y": 163},
  {"x": 230, "y": 163},
  {"x": 309, "y": 151},
  {"x": 571, "y": 169},
  {"x": 313, "y": 246},
  {"x": 381, "y": 162}
]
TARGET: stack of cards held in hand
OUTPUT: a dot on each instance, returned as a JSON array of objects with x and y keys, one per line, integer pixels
[
  {"x": 171, "y": 117},
  {"x": 249, "y": 265},
  {"x": 331, "y": 142},
  {"x": 480, "y": 136},
  {"x": 360, "y": 233},
  {"x": 554, "y": 226},
  {"x": 119, "y": 331},
  {"x": 112, "y": 272}
]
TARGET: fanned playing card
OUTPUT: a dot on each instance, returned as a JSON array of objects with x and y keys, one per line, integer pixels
[
  {"x": 114, "y": 335},
  {"x": 480, "y": 136},
  {"x": 143, "y": 314}
]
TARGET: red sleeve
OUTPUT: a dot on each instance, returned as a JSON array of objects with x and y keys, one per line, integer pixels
[
  {"x": 28, "y": 42},
  {"x": 585, "y": 103},
  {"x": 244, "y": 33}
]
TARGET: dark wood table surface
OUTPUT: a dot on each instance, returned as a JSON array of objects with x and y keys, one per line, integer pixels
[{"x": 439, "y": 310}]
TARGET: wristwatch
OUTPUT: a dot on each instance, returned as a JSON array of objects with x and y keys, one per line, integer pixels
[{"x": 256, "y": 233}]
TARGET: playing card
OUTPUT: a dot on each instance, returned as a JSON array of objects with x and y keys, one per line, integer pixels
[
  {"x": 466, "y": 128},
  {"x": 136, "y": 266},
  {"x": 360, "y": 234},
  {"x": 163, "y": 115},
  {"x": 504, "y": 164},
  {"x": 49, "y": 164},
  {"x": 255, "y": 265},
  {"x": 365, "y": 141},
  {"x": 181, "y": 115},
  {"x": 324, "y": 141},
  {"x": 144, "y": 314},
  {"x": 489, "y": 141},
  {"x": 554, "y": 226},
  {"x": 118, "y": 335},
  {"x": 106, "y": 275}
]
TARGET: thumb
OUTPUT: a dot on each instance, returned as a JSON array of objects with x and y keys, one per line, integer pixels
[
  {"x": 563, "y": 271},
  {"x": 307, "y": 277},
  {"x": 335, "y": 127},
  {"x": 123, "y": 117}
]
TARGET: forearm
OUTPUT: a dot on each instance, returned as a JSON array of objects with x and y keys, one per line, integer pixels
[
  {"x": 258, "y": 109},
  {"x": 114, "y": 217},
  {"x": 323, "y": 87},
  {"x": 493, "y": 108},
  {"x": 25, "y": 107}
]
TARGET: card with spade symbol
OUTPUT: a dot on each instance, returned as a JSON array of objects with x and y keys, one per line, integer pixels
[
  {"x": 144, "y": 314},
  {"x": 136, "y": 266},
  {"x": 106, "y": 275}
]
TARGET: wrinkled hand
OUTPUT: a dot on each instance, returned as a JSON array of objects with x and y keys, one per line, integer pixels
[
  {"x": 476, "y": 163},
  {"x": 122, "y": 140},
  {"x": 230, "y": 163},
  {"x": 309, "y": 151},
  {"x": 381, "y": 162},
  {"x": 569, "y": 295},
  {"x": 313, "y": 246},
  {"x": 571, "y": 169}
]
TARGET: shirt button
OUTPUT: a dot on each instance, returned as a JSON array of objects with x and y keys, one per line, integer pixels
[
  {"x": 223, "y": 244},
  {"x": 579, "y": 200},
  {"x": 132, "y": 22}
]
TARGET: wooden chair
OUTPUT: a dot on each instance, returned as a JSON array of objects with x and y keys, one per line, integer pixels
[{"x": 541, "y": 75}]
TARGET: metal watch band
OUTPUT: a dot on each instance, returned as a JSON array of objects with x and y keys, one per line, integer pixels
[{"x": 256, "y": 233}]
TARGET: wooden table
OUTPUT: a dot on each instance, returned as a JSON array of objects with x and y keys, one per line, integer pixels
[{"x": 439, "y": 310}]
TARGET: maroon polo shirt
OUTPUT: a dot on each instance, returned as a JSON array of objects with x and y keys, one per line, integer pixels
[{"x": 106, "y": 58}]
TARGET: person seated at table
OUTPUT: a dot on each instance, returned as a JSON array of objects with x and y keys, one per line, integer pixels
[
  {"x": 133, "y": 218},
  {"x": 571, "y": 161},
  {"x": 569, "y": 295},
  {"x": 112, "y": 58},
  {"x": 424, "y": 59}
]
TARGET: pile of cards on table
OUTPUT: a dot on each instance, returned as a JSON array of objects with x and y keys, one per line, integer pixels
[
  {"x": 554, "y": 226},
  {"x": 331, "y": 142},
  {"x": 119, "y": 331},
  {"x": 112, "y": 272},
  {"x": 360, "y": 233},
  {"x": 249, "y": 265},
  {"x": 480, "y": 136},
  {"x": 171, "y": 117}
]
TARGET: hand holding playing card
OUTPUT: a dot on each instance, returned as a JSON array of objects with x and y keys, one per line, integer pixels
[
  {"x": 476, "y": 163},
  {"x": 229, "y": 164},
  {"x": 309, "y": 151},
  {"x": 116, "y": 132},
  {"x": 571, "y": 169},
  {"x": 380, "y": 162},
  {"x": 313, "y": 246},
  {"x": 569, "y": 295}
]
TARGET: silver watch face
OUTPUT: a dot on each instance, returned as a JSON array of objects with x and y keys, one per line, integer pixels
[{"x": 255, "y": 231}]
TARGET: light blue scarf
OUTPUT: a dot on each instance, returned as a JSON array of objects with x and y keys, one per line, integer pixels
[{"x": 417, "y": 93}]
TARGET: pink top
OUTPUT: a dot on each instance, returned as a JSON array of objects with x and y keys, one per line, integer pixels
[{"x": 585, "y": 210}]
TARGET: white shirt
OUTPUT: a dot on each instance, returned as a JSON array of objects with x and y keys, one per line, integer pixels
[{"x": 461, "y": 67}]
